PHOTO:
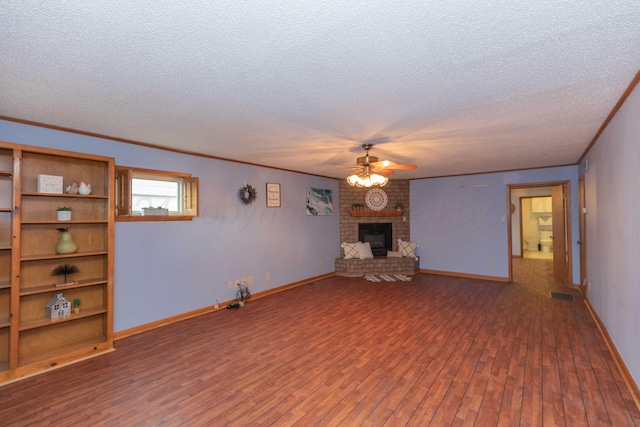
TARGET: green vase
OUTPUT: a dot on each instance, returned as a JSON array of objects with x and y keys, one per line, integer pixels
[{"x": 66, "y": 245}]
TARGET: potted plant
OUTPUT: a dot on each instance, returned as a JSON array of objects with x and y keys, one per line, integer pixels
[
  {"x": 155, "y": 211},
  {"x": 399, "y": 206},
  {"x": 64, "y": 270},
  {"x": 64, "y": 213},
  {"x": 76, "y": 305}
]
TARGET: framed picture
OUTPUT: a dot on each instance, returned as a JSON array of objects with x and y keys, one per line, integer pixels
[
  {"x": 273, "y": 195},
  {"x": 319, "y": 202}
]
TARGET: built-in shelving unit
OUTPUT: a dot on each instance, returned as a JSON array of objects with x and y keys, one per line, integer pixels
[
  {"x": 375, "y": 213},
  {"x": 30, "y": 342}
]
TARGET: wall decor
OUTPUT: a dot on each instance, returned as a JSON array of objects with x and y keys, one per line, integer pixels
[
  {"x": 319, "y": 202},
  {"x": 247, "y": 194},
  {"x": 273, "y": 195},
  {"x": 50, "y": 184},
  {"x": 376, "y": 199},
  {"x": 58, "y": 307}
]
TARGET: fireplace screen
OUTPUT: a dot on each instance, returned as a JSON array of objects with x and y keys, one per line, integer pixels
[{"x": 378, "y": 235}]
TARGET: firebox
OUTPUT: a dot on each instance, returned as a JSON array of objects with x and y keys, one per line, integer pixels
[{"x": 379, "y": 236}]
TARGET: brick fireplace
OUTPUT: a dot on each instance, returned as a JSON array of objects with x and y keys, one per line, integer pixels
[{"x": 397, "y": 191}]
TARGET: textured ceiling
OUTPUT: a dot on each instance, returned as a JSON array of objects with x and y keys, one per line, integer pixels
[{"x": 455, "y": 86}]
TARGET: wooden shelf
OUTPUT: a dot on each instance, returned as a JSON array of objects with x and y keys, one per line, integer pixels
[
  {"x": 63, "y": 350},
  {"x": 38, "y": 323},
  {"x": 53, "y": 288},
  {"x": 92, "y": 221},
  {"x": 61, "y": 256},
  {"x": 29, "y": 342},
  {"x": 375, "y": 213},
  {"x": 79, "y": 196}
]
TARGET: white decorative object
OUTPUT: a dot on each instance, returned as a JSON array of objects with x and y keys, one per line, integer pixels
[
  {"x": 72, "y": 188},
  {"x": 364, "y": 250},
  {"x": 58, "y": 307},
  {"x": 84, "y": 189},
  {"x": 64, "y": 215},
  {"x": 50, "y": 184},
  {"x": 350, "y": 250},
  {"x": 376, "y": 199},
  {"x": 407, "y": 249},
  {"x": 155, "y": 212}
]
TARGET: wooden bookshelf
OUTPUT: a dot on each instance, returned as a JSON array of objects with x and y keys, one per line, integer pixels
[{"x": 30, "y": 342}]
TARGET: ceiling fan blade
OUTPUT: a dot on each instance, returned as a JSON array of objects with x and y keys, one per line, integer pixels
[
  {"x": 387, "y": 164},
  {"x": 344, "y": 169},
  {"x": 382, "y": 171}
]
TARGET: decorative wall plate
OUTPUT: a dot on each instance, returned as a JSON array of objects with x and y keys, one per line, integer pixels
[{"x": 376, "y": 199}]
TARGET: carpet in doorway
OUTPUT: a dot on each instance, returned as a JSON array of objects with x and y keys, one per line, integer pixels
[
  {"x": 387, "y": 278},
  {"x": 562, "y": 296}
]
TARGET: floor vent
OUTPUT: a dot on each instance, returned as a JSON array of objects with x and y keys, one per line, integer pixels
[{"x": 562, "y": 295}]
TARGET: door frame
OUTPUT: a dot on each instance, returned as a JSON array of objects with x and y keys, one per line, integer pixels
[
  {"x": 567, "y": 220},
  {"x": 582, "y": 212}
]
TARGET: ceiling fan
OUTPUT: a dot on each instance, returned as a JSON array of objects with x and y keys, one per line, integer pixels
[{"x": 371, "y": 171}]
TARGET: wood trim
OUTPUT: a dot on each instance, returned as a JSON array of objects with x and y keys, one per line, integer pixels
[
  {"x": 14, "y": 313},
  {"x": 209, "y": 309},
  {"x": 164, "y": 322},
  {"x": 612, "y": 114},
  {"x": 148, "y": 145},
  {"x": 466, "y": 275},
  {"x": 490, "y": 172},
  {"x": 622, "y": 367},
  {"x": 123, "y": 191},
  {"x": 38, "y": 368},
  {"x": 375, "y": 213}
]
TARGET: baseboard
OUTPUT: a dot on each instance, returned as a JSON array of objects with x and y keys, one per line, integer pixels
[
  {"x": 465, "y": 275},
  {"x": 205, "y": 310},
  {"x": 622, "y": 367}
]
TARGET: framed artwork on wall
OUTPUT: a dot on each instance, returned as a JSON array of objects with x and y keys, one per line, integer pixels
[
  {"x": 273, "y": 195},
  {"x": 319, "y": 202}
]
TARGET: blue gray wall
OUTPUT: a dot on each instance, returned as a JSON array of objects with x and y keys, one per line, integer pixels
[
  {"x": 612, "y": 189},
  {"x": 458, "y": 221},
  {"x": 163, "y": 269}
]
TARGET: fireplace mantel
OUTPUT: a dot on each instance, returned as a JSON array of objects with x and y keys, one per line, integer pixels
[{"x": 375, "y": 213}]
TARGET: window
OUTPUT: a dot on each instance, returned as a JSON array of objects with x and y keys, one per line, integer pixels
[{"x": 149, "y": 195}]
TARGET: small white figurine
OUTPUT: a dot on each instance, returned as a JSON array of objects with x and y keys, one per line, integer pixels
[
  {"x": 84, "y": 189},
  {"x": 72, "y": 188}
]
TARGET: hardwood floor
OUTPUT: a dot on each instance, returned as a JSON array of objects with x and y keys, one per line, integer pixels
[{"x": 437, "y": 351}]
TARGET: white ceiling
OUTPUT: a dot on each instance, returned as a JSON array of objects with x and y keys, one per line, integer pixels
[{"x": 456, "y": 86}]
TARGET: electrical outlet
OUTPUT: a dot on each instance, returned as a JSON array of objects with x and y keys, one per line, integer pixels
[
  {"x": 320, "y": 264},
  {"x": 268, "y": 276},
  {"x": 491, "y": 265},
  {"x": 250, "y": 281},
  {"x": 230, "y": 285}
]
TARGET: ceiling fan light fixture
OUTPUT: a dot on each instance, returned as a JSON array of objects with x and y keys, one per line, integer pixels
[{"x": 367, "y": 179}]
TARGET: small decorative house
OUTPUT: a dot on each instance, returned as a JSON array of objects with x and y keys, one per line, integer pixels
[{"x": 58, "y": 307}]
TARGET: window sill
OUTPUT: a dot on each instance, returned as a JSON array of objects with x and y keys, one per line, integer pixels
[{"x": 140, "y": 218}]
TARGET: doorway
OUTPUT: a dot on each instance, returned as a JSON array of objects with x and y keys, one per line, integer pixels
[
  {"x": 535, "y": 229},
  {"x": 548, "y": 219}
]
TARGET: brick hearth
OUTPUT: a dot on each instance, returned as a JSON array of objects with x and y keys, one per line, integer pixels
[{"x": 397, "y": 192}]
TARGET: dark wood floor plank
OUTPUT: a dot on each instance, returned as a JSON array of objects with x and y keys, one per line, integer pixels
[{"x": 342, "y": 351}]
